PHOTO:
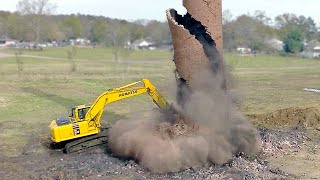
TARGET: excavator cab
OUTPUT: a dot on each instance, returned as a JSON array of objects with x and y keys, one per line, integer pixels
[
  {"x": 73, "y": 126},
  {"x": 78, "y": 113}
]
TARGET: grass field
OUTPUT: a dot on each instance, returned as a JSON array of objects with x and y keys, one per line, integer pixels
[
  {"x": 89, "y": 53},
  {"x": 47, "y": 87}
]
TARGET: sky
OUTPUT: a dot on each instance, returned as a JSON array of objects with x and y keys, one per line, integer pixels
[{"x": 155, "y": 9}]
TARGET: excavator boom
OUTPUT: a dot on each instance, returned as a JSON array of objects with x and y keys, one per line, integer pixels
[{"x": 121, "y": 93}]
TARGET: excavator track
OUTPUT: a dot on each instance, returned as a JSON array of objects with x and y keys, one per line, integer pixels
[{"x": 82, "y": 144}]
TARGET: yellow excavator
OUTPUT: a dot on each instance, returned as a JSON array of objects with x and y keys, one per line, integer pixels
[{"x": 82, "y": 128}]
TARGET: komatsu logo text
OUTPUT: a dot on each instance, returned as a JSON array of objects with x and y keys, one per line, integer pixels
[{"x": 128, "y": 93}]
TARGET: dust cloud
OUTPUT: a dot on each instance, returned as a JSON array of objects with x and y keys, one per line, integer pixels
[{"x": 221, "y": 131}]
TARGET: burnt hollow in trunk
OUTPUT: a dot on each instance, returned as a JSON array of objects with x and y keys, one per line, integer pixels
[{"x": 196, "y": 29}]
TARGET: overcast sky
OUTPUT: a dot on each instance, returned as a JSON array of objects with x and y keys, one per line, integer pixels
[{"x": 155, "y": 9}]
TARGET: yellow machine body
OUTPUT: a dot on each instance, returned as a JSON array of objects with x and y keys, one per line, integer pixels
[{"x": 85, "y": 120}]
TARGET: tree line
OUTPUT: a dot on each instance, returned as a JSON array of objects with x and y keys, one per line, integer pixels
[
  {"x": 34, "y": 21},
  {"x": 255, "y": 31},
  {"x": 98, "y": 29}
]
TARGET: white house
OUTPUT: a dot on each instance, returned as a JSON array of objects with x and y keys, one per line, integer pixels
[
  {"x": 275, "y": 44},
  {"x": 79, "y": 41},
  {"x": 142, "y": 44},
  {"x": 244, "y": 50},
  {"x": 316, "y": 52},
  {"x": 7, "y": 42},
  {"x": 312, "y": 50},
  {"x": 82, "y": 41}
]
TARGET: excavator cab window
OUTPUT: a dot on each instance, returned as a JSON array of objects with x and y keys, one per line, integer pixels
[{"x": 82, "y": 113}]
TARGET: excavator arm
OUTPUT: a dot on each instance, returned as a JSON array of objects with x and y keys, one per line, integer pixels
[
  {"x": 97, "y": 108},
  {"x": 158, "y": 99},
  {"x": 84, "y": 121}
]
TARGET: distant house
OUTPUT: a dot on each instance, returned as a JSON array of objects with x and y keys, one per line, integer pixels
[
  {"x": 311, "y": 54},
  {"x": 80, "y": 42},
  {"x": 312, "y": 50},
  {"x": 7, "y": 42},
  {"x": 316, "y": 52},
  {"x": 142, "y": 44},
  {"x": 316, "y": 48},
  {"x": 83, "y": 41},
  {"x": 244, "y": 50},
  {"x": 275, "y": 44}
]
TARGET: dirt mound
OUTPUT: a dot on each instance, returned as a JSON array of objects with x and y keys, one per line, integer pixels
[{"x": 309, "y": 117}]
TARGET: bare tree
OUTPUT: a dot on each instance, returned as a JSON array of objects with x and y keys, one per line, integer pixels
[
  {"x": 262, "y": 17},
  {"x": 71, "y": 53},
  {"x": 226, "y": 16},
  {"x": 157, "y": 31},
  {"x": 117, "y": 35},
  {"x": 246, "y": 31},
  {"x": 34, "y": 10}
]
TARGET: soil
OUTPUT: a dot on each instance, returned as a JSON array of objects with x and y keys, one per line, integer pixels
[
  {"x": 99, "y": 165},
  {"x": 286, "y": 154},
  {"x": 180, "y": 126},
  {"x": 308, "y": 117}
]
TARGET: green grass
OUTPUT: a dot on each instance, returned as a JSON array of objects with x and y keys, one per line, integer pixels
[
  {"x": 267, "y": 61},
  {"x": 47, "y": 88},
  {"x": 267, "y": 83},
  {"x": 89, "y": 53}
]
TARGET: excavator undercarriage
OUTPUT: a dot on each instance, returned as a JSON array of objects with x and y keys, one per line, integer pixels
[{"x": 82, "y": 144}]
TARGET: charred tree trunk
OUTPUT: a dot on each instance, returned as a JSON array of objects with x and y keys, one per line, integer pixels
[{"x": 197, "y": 42}]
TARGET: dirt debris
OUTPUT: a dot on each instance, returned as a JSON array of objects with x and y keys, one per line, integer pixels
[
  {"x": 305, "y": 117},
  {"x": 96, "y": 164},
  {"x": 222, "y": 133},
  {"x": 208, "y": 128},
  {"x": 276, "y": 142},
  {"x": 180, "y": 128}
]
